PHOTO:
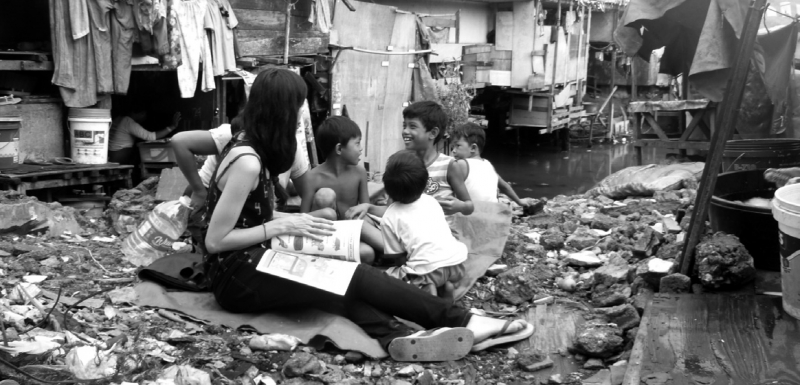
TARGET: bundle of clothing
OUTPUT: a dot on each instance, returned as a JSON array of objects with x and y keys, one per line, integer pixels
[{"x": 94, "y": 42}]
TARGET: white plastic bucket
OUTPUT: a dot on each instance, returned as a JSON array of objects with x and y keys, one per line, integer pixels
[
  {"x": 9, "y": 141},
  {"x": 89, "y": 139},
  {"x": 786, "y": 210}
]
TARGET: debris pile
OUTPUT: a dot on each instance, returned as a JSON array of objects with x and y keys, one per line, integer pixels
[{"x": 67, "y": 302}]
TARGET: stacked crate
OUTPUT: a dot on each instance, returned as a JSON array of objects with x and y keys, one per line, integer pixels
[{"x": 483, "y": 64}]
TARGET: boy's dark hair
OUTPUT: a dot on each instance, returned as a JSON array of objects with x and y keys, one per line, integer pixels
[
  {"x": 472, "y": 133},
  {"x": 405, "y": 177},
  {"x": 430, "y": 114},
  {"x": 336, "y": 130}
]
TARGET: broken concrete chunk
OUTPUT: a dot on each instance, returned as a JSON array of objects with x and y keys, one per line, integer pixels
[
  {"x": 722, "y": 262},
  {"x": 671, "y": 225},
  {"x": 552, "y": 239},
  {"x": 604, "y": 222},
  {"x": 594, "y": 364},
  {"x": 598, "y": 340},
  {"x": 653, "y": 269},
  {"x": 583, "y": 259},
  {"x": 582, "y": 238},
  {"x": 519, "y": 284},
  {"x": 624, "y": 316},
  {"x": 675, "y": 283},
  {"x": 614, "y": 271},
  {"x": 602, "y": 377},
  {"x": 542, "y": 221},
  {"x": 31, "y": 214},
  {"x": 533, "y": 362},
  {"x": 607, "y": 298},
  {"x": 302, "y": 363}
]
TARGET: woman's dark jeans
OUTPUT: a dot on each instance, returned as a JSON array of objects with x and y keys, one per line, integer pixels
[{"x": 372, "y": 299}]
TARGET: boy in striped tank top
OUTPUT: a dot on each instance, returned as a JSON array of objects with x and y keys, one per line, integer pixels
[{"x": 423, "y": 127}]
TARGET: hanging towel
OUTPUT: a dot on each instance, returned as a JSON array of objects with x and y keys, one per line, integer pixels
[
  {"x": 172, "y": 60},
  {"x": 74, "y": 70},
  {"x": 101, "y": 38},
  {"x": 123, "y": 34},
  {"x": 79, "y": 18}
]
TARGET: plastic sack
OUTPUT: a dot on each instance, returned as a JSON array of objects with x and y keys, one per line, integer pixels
[
  {"x": 89, "y": 363},
  {"x": 156, "y": 235},
  {"x": 281, "y": 342},
  {"x": 646, "y": 180}
]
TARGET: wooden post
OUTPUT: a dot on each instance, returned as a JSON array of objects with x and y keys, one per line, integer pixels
[
  {"x": 727, "y": 116},
  {"x": 569, "y": 49},
  {"x": 458, "y": 26},
  {"x": 578, "y": 94},
  {"x": 288, "y": 31},
  {"x": 551, "y": 101},
  {"x": 586, "y": 54}
]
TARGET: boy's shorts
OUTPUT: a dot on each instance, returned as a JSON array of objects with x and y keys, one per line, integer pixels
[{"x": 437, "y": 278}]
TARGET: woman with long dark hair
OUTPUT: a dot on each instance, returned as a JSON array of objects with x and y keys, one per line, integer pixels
[{"x": 240, "y": 212}]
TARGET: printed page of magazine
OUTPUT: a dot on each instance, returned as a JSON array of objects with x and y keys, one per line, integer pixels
[
  {"x": 344, "y": 244},
  {"x": 331, "y": 275}
]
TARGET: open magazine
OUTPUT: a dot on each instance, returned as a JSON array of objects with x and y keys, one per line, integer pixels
[
  {"x": 343, "y": 244},
  {"x": 327, "y": 264}
]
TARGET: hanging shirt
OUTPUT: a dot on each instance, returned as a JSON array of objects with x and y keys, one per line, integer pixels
[
  {"x": 195, "y": 50},
  {"x": 124, "y": 132},
  {"x": 481, "y": 181}
]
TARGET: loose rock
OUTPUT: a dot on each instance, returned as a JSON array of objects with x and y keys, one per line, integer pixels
[
  {"x": 552, "y": 239},
  {"x": 516, "y": 285},
  {"x": 607, "y": 298},
  {"x": 302, "y": 363},
  {"x": 594, "y": 364},
  {"x": 614, "y": 271},
  {"x": 723, "y": 262},
  {"x": 582, "y": 238},
  {"x": 653, "y": 269},
  {"x": 675, "y": 283},
  {"x": 624, "y": 316},
  {"x": 598, "y": 340},
  {"x": 583, "y": 259}
]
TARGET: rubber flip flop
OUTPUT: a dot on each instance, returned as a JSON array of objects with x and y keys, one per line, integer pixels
[
  {"x": 445, "y": 344},
  {"x": 65, "y": 161},
  {"x": 502, "y": 338}
]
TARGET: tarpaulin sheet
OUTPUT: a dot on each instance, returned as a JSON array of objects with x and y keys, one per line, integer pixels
[
  {"x": 484, "y": 232},
  {"x": 667, "y": 105},
  {"x": 700, "y": 35}
]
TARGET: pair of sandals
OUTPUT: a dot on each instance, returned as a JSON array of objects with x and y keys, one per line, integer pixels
[{"x": 450, "y": 344}]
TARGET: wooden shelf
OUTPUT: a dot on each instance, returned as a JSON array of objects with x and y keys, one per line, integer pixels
[{"x": 25, "y": 65}]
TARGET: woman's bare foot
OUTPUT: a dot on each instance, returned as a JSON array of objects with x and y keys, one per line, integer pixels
[{"x": 485, "y": 327}]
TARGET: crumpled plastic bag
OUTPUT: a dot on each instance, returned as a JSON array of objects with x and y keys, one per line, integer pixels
[
  {"x": 89, "y": 363},
  {"x": 185, "y": 375},
  {"x": 39, "y": 345},
  {"x": 646, "y": 180},
  {"x": 274, "y": 341}
]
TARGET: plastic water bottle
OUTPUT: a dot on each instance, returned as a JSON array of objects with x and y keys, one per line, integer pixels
[{"x": 155, "y": 236}]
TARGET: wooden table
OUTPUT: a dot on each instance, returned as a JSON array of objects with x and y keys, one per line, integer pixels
[
  {"x": 646, "y": 116},
  {"x": 715, "y": 339},
  {"x": 31, "y": 177}
]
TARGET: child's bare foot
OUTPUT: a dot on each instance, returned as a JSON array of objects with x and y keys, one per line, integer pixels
[
  {"x": 447, "y": 291},
  {"x": 485, "y": 327}
]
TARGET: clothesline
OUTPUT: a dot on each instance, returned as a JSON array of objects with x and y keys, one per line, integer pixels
[{"x": 381, "y": 52}]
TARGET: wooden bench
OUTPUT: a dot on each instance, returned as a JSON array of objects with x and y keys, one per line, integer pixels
[{"x": 34, "y": 177}]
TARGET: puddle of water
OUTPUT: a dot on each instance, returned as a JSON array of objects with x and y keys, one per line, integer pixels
[{"x": 538, "y": 171}]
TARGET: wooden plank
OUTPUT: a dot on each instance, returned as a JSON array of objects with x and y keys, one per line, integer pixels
[
  {"x": 554, "y": 333},
  {"x": 265, "y": 42},
  {"x": 361, "y": 78},
  {"x": 389, "y": 133},
  {"x": 523, "y": 45},
  {"x": 716, "y": 339},
  {"x": 655, "y": 126},
  {"x": 673, "y": 144},
  {"x": 446, "y": 52},
  {"x": 272, "y": 21},
  {"x": 440, "y": 22},
  {"x": 504, "y": 31},
  {"x": 728, "y": 115},
  {"x": 301, "y": 8}
]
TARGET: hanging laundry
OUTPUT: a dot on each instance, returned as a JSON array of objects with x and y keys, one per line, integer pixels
[
  {"x": 74, "y": 70},
  {"x": 321, "y": 14},
  {"x": 194, "y": 48},
  {"x": 101, "y": 38},
  {"x": 214, "y": 25},
  {"x": 172, "y": 60},
  {"x": 229, "y": 43},
  {"x": 123, "y": 34},
  {"x": 146, "y": 13},
  {"x": 79, "y": 18},
  {"x": 161, "y": 34}
]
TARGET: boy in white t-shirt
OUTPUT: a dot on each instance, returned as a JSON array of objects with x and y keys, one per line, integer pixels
[
  {"x": 482, "y": 180},
  {"x": 414, "y": 229}
]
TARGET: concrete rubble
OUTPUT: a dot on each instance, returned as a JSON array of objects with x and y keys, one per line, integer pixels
[
  {"x": 608, "y": 256},
  {"x": 721, "y": 262}
]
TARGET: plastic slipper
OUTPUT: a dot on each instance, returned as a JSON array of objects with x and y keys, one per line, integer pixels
[
  {"x": 63, "y": 161},
  {"x": 445, "y": 344},
  {"x": 502, "y": 338}
]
